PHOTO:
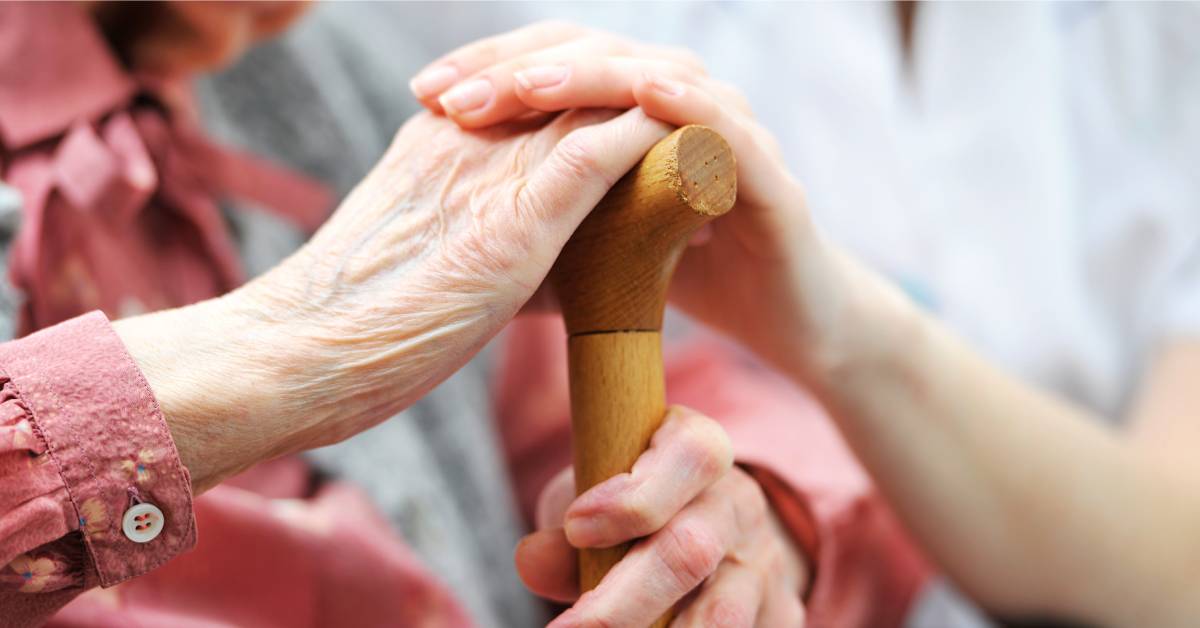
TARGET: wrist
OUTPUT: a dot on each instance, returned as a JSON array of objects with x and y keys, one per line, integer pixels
[
  {"x": 213, "y": 369},
  {"x": 850, "y": 324}
]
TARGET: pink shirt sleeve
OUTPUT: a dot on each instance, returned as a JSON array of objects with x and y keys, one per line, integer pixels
[
  {"x": 82, "y": 440},
  {"x": 865, "y": 570}
]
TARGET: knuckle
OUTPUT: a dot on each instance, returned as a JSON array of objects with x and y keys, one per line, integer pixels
[
  {"x": 690, "y": 552},
  {"x": 706, "y": 442},
  {"x": 726, "y": 612},
  {"x": 577, "y": 119},
  {"x": 751, "y": 490},
  {"x": 640, "y": 516},
  {"x": 579, "y": 160},
  {"x": 528, "y": 205},
  {"x": 776, "y": 567},
  {"x": 750, "y": 503},
  {"x": 793, "y": 614}
]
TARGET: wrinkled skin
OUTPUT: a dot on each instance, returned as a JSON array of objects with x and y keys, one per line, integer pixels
[
  {"x": 764, "y": 267},
  {"x": 435, "y": 251},
  {"x": 424, "y": 262},
  {"x": 712, "y": 544}
]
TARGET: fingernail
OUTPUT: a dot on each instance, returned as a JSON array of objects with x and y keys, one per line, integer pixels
[
  {"x": 666, "y": 86},
  {"x": 468, "y": 96},
  {"x": 582, "y": 531},
  {"x": 433, "y": 81},
  {"x": 541, "y": 77}
]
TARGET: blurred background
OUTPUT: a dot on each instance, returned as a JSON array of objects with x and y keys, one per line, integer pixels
[{"x": 1026, "y": 171}]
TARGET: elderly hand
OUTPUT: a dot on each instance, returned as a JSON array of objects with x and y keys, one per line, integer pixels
[
  {"x": 710, "y": 540},
  {"x": 433, "y": 252},
  {"x": 763, "y": 268}
]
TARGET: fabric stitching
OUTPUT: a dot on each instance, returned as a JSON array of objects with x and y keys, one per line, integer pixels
[
  {"x": 51, "y": 450},
  {"x": 163, "y": 432},
  {"x": 140, "y": 406}
]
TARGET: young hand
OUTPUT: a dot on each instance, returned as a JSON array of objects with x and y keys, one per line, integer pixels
[{"x": 762, "y": 269}]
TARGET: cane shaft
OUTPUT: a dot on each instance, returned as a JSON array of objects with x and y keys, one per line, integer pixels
[
  {"x": 611, "y": 282},
  {"x": 617, "y": 402}
]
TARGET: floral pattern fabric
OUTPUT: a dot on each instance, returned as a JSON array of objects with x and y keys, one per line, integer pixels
[
  {"x": 72, "y": 463},
  {"x": 118, "y": 197}
]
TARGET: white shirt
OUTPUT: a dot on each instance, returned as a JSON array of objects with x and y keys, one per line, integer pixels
[{"x": 1033, "y": 175}]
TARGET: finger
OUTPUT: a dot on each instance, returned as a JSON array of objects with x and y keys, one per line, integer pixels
[
  {"x": 437, "y": 77},
  {"x": 548, "y": 565},
  {"x": 581, "y": 168},
  {"x": 684, "y": 56},
  {"x": 687, "y": 455},
  {"x": 731, "y": 598},
  {"x": 728, "y": 94},
  {"x": 782, "y": 608},
  {"x": 679, "y": 103},
  {"x": 591, "y": 81},
  {"x": 663, "y": 568},
  {"x": 554, "y": 500},
  {"x": 489, "y": 95}
]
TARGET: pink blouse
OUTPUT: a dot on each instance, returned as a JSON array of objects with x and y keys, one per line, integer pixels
[{"x": 119, "y": 215}]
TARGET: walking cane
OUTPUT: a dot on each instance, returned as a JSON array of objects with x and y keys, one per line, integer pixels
[{"x": 611, "y": 281}]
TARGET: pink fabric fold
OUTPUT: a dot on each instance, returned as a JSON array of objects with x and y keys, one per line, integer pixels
[
  {"x": 120, "y": 213},
  {"x": 100, "y": 434},
  {"x": 120, "y": 187}
]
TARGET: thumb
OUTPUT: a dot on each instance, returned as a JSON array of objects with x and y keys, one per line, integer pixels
[
  {"x": 582, "y": 167},
  {"x": 555, "y": 499},
  {"x": 548, "y": 565}
]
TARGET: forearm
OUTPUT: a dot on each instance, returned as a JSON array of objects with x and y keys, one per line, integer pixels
[
  {"x": 264, "y": 371},
  {"x": 1029, "y": 503},
  {"x": 215, "y": 379}
]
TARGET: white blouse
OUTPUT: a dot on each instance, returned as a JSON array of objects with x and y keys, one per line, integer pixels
[{"x": 1031, "y": 174}]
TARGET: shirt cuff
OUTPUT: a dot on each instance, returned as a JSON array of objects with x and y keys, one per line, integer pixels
[
  {"x": 794, "y": 513},
  {"x": 108, "y": 440}
]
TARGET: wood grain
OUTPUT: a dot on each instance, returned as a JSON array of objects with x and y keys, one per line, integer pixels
[
  {"x": 611, "y": 282},
  {"x": 617, "y": 402},
  {"x": 614, "y": 272}
]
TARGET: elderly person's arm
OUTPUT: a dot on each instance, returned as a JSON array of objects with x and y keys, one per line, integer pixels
[
  {"x": 108, "y": 430},
  {"x": 1025, "y": 499}
]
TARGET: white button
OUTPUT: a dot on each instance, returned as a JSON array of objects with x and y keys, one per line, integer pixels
[{"x": 143, "y": 523}]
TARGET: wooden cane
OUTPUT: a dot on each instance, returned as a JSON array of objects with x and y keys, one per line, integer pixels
[{"x": 611, "y": 282}]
